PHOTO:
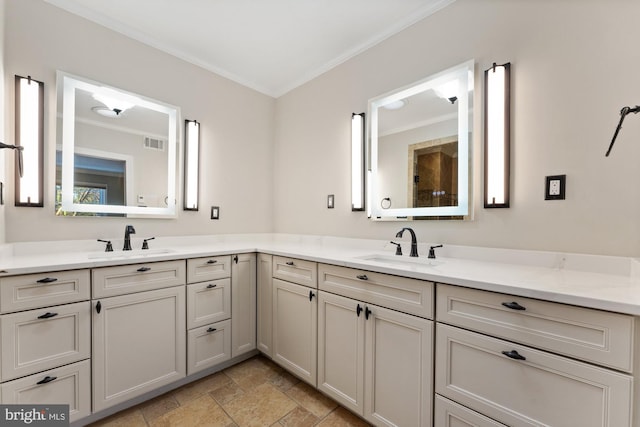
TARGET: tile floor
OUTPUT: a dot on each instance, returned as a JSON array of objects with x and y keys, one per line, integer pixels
[{"x": 255, "y": 392}]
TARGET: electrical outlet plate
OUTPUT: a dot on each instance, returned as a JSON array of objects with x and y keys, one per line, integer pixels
[
  {"x": 330, "y": 200},
  {"x": 555, "y": 187},
  {"x": 215, "y": 212}
]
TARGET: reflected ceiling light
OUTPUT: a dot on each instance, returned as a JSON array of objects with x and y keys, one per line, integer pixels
[
  {"x": 357, "y": 162},
  {"x": 395, "y": 105},
  {"x": 29, "y": 113},
  {"x": 497, "y": 135},
  {"x": 448, "y": 91},
  {"x": 191, "y": 164},
  {"x": 114, "y": 100},
  {"x": 106, "y": 112}
]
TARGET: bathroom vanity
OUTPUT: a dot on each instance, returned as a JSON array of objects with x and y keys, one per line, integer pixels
[{"x": 476, "y": 337}]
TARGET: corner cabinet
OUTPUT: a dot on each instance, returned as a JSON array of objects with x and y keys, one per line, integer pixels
[
  {"x": 295, "y": 317},
  {"x": 139, "y": 338},
  {"x": 243, "y": 304},
  {"x": 264, "y": 307}
]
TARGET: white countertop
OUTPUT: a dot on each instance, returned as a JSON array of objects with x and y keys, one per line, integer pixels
[{"x": 602, "y": 282}]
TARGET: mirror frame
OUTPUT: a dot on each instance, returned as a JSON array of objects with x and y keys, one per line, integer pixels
[
  {"x": 465, "y": 75},
  {"x": 67, "y": 86}
]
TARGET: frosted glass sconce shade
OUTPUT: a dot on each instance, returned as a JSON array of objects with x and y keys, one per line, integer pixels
[
  {"x": 29, "y": 140},
  {"x": 191, "y": 164},
  {"x": 496, "y": 136},
  {"x": 357, "y": 162}
]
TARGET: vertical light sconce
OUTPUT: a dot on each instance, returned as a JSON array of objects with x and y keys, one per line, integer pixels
[
  {"x": 191, "y": 164},
  {"x": 496, "y": 135},
  {"x": 357, "y": 162},
  {"x": 29, "y": 141}
]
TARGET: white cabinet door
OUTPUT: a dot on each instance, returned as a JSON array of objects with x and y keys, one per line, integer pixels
[
  {"x": 265, "y": 305},
  {"x": 243, "y": 303},
  {"x": 295, "y": 320},
  {"x": 398, "y": 368},
  {"x": 341, "y": 333},
  {"x": 139, "y": 344}
]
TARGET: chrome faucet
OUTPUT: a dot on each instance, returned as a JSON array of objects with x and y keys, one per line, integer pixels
[
  {"x": 128, "y": 231},
  {"x": 414, "y": 243}
]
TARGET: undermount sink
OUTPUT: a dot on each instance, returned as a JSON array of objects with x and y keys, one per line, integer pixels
[
  {"x": 402, "y": 260},
  {"x": 128, "y": 254}
]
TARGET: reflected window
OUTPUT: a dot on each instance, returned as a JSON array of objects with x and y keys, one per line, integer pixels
[{"x": 97, "y": 181}]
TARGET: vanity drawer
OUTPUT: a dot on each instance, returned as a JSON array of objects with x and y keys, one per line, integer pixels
[
  {"x": 597, "y": 336},
  {"x": 537, "y": 389},
  {"x": 208, "y": 345},
  {"x": 208, "y": 302},
  {"x": 208, "y": 268},
  {"x": 44, "y": 289},
  {"x": 42, "y": 339},
  {"x": 450, "y": 414},
  {"x": 67, "y": 385},
  {"x": 296, "y": 271},
  {"x": 398, "y": 293},
  {"x": 126, "y": 279}
]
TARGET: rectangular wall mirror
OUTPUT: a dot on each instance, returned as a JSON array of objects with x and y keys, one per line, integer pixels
[
  {"x": 420, "y": 148},
  {"x": 116, "y": 153}
]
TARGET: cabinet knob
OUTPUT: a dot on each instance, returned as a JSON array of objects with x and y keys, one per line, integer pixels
[
  {"x": 48, "y": 280},
  {"x": 212, "y": 261},
  {"x": 211, "y": 330},
  {"x": 514, "y": 355},
  {"x": 289, "y": 263},
  {"x": 98, "y": 307},
  {"x": 367, "y": 312},
  {"x": 311, "y": 295},
  {"x": 143, "y": 269},
  {"x": 46, "y": 379},
  {"x": 362, "y": 277},
  {"x": 48, "y": 315},
  {"x": 358, "y": 310},
  {"x": 513, "y": 305},
  {"x": 211, "y": 286}
]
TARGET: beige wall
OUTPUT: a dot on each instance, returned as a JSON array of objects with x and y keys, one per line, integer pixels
[
  {"x": 270, "y": 164},
  {"x": 237, "y": 124},
  {"x": 3, "y": 110},
  {"x": 574, "y": 65}
]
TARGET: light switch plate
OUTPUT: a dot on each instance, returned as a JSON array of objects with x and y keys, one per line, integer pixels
[
  {"x": 555, "y": 187},
  {"x": 330, "y": 200}
]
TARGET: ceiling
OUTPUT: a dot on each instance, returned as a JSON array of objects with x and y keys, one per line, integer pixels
[{"x": 271, "y": 46}]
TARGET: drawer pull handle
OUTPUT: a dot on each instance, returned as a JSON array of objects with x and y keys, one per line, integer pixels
[
  {"x": 211, "y": 286},
  {"x": 48, "y": 315},
  {"x": 48, "y": 280},
  {"x": 362, "y": 277},
  {"x": 513, "y": 305},
  {"x": 211, "y": 330},
  {"x": 367, "y": 313},
  {"x": 143, "y": 269},
  {"x": 46, "y": 379},
  {"x": 358, "y": 310},
  {"x": 514, "y": 355},
  {"x": 290, "y": 263},
  {"x": 212, "y": 261},
  {"x": 98, "y": 307},
  {"x": 311, "y": 295}
]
